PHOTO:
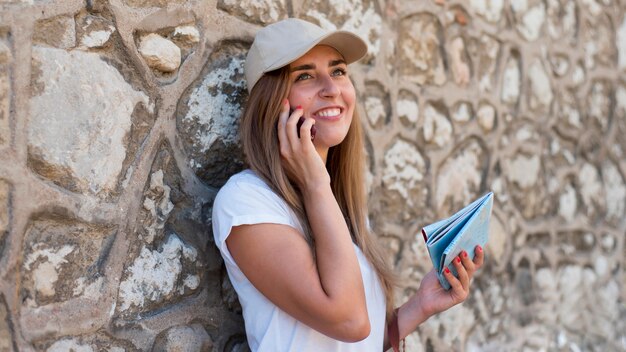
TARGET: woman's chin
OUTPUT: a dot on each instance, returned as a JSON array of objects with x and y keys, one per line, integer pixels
[{"x": 328, "y": 141}]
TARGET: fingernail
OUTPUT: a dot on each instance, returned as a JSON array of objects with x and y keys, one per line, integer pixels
[
  {"x": 299, "y": 107},
  {"x": 447, "y": 270},
  {"x": 479, "y": 248},
  {"x": 464, "y": 254},
  {"x": 457, "y": 259}
]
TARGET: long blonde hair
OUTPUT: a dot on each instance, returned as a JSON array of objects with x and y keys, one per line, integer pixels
[{"x": 345, "y": 165}]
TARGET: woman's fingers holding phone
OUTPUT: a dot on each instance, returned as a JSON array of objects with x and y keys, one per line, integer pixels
[
  {"x": 291, "y": 126},
  {"x": 306, "y": 128},
  {"x": 283, "y": 139}
]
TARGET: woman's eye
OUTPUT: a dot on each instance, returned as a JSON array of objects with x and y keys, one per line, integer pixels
[
  {"x": 303, "y": 76},
  {"x": 339, "y": 72}
]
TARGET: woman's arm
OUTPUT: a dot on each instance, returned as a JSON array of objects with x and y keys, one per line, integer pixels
[
  {"x": 327, "y": 295},
  {"x": 431, "y": 298}
]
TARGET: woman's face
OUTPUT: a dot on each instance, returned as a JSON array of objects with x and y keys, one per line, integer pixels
[{"x": 320, "y": 84}]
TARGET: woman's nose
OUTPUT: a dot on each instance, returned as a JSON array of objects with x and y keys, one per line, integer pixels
[{"x": 328, "y": 87}]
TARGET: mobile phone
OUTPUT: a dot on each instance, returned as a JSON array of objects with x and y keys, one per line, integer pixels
[{"x": 300, "y": 122}]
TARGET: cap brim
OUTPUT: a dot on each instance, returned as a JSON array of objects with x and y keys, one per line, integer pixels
[{"x": 348, "y": 44}]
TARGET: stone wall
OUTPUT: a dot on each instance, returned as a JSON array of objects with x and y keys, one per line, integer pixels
[{"x": 118, "y": 124}]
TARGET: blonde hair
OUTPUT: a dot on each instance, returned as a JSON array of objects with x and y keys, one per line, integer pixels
[{"x": 345, "y": 165}]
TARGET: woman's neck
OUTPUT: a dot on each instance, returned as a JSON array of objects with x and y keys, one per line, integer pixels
[{"x": 323, "y": 152}]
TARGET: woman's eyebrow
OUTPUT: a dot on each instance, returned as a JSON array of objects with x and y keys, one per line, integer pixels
[
  {"x": 303, "y": 67},
  {"x": 331, "y": 63}
]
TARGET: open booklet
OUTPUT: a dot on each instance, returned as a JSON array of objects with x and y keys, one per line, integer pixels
[{"x": 463, "y": 231}]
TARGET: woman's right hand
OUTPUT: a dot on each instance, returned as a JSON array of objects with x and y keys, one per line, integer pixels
[{"x": 300, "y": 158}]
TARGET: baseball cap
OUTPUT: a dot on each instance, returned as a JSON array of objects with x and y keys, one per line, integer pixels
[{"x": 283, "y": 42}]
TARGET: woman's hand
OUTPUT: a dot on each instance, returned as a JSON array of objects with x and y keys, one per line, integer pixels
[
  {"x": 431, "y": 298},
  {"x": 300, "y": 159},
  {"x": 434, "y": 298}
]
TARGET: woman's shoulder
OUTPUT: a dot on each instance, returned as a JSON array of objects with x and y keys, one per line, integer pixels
[
  {"x": 244, "y": 185},
  {"x": 246, "y": 198},
  {"x": 245, "y": 178}
]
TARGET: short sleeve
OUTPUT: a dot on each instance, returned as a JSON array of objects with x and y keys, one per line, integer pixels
[{"x": 246, "y": 201}]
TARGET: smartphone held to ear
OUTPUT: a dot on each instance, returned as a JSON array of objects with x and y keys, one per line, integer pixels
[{"x": 300, "y": 122}]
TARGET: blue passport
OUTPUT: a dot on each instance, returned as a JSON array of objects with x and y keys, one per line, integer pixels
[{"x": 463, "y": 231}]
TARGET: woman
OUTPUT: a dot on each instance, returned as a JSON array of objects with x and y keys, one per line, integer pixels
[{"x": 292, "y": 229}]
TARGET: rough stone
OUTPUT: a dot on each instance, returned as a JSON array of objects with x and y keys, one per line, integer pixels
[
  {"x": 358, "y": 16},
  {"x": 377, "y": 104},
  {"x": 183, "y": 338},
  {"x": 568, "y": 203},
  {"x": 578, "y": 75},
  {"x": 437, "y": 127},
  {"x": 160, "y": 53},
  {"x": 413, "y": 343},
  {"x": 599, "y": 104},
  {"x": 524, "y": 171},
  {"x": 375, "y": 110},
  {"x": 525, "y": 174},
  {"x": 615, "y": 193},
  {"x": 462, "y": 112},
  {"x": 568, "y": 115},
  {"x": 229, "y": 295},
  {"x": 486, "y": 117},
  {"x": 68, "y": 140},
  {"x": 96, "y": 31},
  {"x": 407, "y": 108},
  {"x": 58, "y": 32},
  {"x": 561, "y": 19},
  {"x": 591, "y": 190},
  {"x": 157, "y": 275},
  {"x": 459, "y": 61},
  {"x": 592, "y": 7},
  {"x": 6, "y": 339},
  {"x": 490, "y": 10},
  {"x": 562, "y": 154},
  {"x": 158, "y": 204},
  {"x": 188, "y": 34},
  {"x": 541, "y": 95},
  {"x": 484, "y": 52},
  {"x": 69, "y": 344},
  {"x": 497, "y": 241},
  {"x": 621, "y": 45},
  {"x": 99, "y": 341},
  {"x": 5, "y": 91},
  {"x": 455, "y": 189},
  {"x": 208, "y": 118},
  {"x": 420, "y": 58},
  {"x": 560, "y": 64},
  {"x": 598, "y": 42},
  {"x": 256, "y": 11},
  {"x": 461, "y": 317},
  {"x": 63, "y": 259},
  {"x": 153, "y": 3},
  {"x": 404, "y": 173},
  {"x": 4, "y": 212},
  {"x": 620, "y": 103},
  {"x": 511, "y": 81},
  {"x": 529, "y": 19}
]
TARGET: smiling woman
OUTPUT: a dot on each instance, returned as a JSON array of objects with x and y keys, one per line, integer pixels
[
  {"x": 309, "y": 274},
  {"x": 323, "y": 91}
]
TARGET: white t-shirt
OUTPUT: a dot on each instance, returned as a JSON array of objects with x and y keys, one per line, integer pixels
[{"x": 246, "y": 199}]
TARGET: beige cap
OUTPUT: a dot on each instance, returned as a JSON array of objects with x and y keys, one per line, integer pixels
[{"x": 283, "y": 42}]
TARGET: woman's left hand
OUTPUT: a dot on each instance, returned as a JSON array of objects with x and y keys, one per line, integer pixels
[
  {"x": 431, "y": 298},
  {"x": 434, "y": 299}
]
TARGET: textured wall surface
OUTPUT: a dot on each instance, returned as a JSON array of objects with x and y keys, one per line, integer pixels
[{"x": 118, "y": 124}]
